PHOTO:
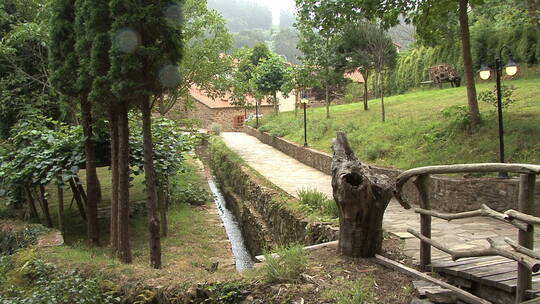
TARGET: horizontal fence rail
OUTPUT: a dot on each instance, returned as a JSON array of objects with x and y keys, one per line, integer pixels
[{"x": 521, "y": 251}]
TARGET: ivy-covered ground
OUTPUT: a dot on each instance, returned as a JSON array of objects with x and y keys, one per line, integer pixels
[
  {"x": 424, "y": 127},
  {"x": 196, "y": 240}
]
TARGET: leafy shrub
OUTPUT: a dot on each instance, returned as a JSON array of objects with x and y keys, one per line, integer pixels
[
  {"x": 215, "y": 128},
  {"x": 191, "y": 194},
  {"x": 490, "y": 96},
  {"x": 320, "y": 128},
  {"x": 5, "y": 264},
  {"x": 286, "y": 265},
  {"x": 459, "y": 118},
  {"x": 314, "y": 201},
  {"x": 361, "y": 293},
  {"x": 226, "y": 292},
  {"x": 279, "y": 131},
  {"x": 44, "y": 283},
  {"x": 354, "y": 92},
  {"x": 376, "y": 151},
  {"x": 12, "y": 240}
]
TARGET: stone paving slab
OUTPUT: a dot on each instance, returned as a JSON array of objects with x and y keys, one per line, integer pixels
[{"x": 292, "y": 175}]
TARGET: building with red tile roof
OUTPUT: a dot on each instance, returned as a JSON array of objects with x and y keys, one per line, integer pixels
[
  {"x": 355, "y": 75},
  {"x": 210, "y": 110}
]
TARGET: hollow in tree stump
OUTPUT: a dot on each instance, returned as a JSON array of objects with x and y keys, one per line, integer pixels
[{"x": 362, "y": 197}]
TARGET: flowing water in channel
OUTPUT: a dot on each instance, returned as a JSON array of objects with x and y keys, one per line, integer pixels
[{"x": 238, "y": 244}]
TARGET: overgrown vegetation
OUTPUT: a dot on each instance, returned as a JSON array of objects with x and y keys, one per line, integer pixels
[
  {"x": 317, "y": 202},
  {"x": 361, "y": 292},
  {"x": 12, "y": 240},
  {"x": 28, "y": 279},
  {"x": 424, "y": 127},
  {"x": 284, "y": 265},
  {"x": 189, "y": 188}
]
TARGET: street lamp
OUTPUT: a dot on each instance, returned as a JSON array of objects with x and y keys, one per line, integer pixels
[
  {"x": 511, "y": 70},
  {"x": 304, "y": 101},
  {"x": 257, "y": 112}
]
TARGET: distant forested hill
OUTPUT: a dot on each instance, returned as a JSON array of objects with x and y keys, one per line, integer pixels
[{"x": 243, "y": 15}]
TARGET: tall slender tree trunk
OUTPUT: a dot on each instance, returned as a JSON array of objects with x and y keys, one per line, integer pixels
[
  {"x": 474, "y": 111},
  {"x": 327, "y": 99},
  {"x": 45, "y": 206},
  {"x": 92, "y": 183},
  {"x": 124, "y": 248},
  {"x": 60, "y": 208},
  {"x": 376, "y": 88},
  {"x": 162, "y": 197},
  {"x": 31, "y": 203},
  {"x": 276, "y": 103},
  {"x": 150, "y": 179},
  {"x": 382, "y": 97},
  {"x": 113, "y": 121},
  {"x": 296, "y": 101},
  {"x": 366, "y": 92}
]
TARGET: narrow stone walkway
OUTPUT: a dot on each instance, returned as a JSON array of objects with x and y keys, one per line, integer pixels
[{"x": 292, "y": 175}]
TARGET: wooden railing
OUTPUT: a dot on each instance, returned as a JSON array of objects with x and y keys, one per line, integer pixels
[{"x": 522, "y": 218}]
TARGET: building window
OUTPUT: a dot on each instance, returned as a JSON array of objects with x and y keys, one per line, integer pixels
[{"x": 238, "y": 121}]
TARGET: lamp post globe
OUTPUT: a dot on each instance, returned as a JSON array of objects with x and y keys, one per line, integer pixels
[
  {"x": 485, "y": 72},
  {"x": 511, "y": 68}
]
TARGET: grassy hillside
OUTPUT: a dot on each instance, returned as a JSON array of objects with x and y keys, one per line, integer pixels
[{"x": 424, "y": 127}]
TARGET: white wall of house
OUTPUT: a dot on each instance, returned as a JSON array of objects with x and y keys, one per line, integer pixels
[{"x": 286, "y": 104}]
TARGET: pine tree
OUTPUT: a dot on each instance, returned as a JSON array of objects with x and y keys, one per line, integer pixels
[
  {"x": 67, "y": 61},
  {"x": 146, "y": 49}
]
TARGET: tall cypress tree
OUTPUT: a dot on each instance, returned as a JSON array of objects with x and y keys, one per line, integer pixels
[
  {"x": 84, "y": 84},
  {"x": 146, "y": 48},
  {"x": 97, "y": 29},
  {"x": 68, "y": 64}
]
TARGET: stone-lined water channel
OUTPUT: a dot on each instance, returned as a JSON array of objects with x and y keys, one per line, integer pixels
[{"x": 232, "y": 228}]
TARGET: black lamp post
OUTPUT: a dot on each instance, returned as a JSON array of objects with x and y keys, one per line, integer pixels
[
  {"x": 485, "y": 73},
  {"x": 257, "y": 112},
  {"x": 304, "y": 102}
]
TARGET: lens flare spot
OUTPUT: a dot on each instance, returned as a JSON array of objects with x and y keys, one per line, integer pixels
[
  {"x": 173, "y": 14},
  {"x": 127, "y": 40},
  {"x": 169, "y": 76}
]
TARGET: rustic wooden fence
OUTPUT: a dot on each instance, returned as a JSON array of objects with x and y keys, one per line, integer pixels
[{"x": 522, "y": 250}]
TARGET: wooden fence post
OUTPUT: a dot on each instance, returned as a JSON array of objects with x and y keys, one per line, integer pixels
[
  {"x": 526, "y": 239},
  {"x": 421, "y": 184}
]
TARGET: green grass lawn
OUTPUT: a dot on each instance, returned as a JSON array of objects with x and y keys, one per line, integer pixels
[
  {"x": 195, "y": 240},
  {"x": 416, "y": 133}
]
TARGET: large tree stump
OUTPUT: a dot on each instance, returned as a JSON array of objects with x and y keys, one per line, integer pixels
[{"x": 362, "y": 197}]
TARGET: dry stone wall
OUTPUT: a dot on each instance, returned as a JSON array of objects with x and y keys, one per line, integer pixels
[
  {"x": 446, "y": 193},
  {"x": 261, "y": 209}
]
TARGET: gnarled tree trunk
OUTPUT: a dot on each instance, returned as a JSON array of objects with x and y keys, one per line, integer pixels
[{"x": 362, "y": 197}]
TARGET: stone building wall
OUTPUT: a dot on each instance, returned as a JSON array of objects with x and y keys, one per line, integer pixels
[
  {"x": 446, "y": 193},
  {"x": 223, "y": 116}
]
